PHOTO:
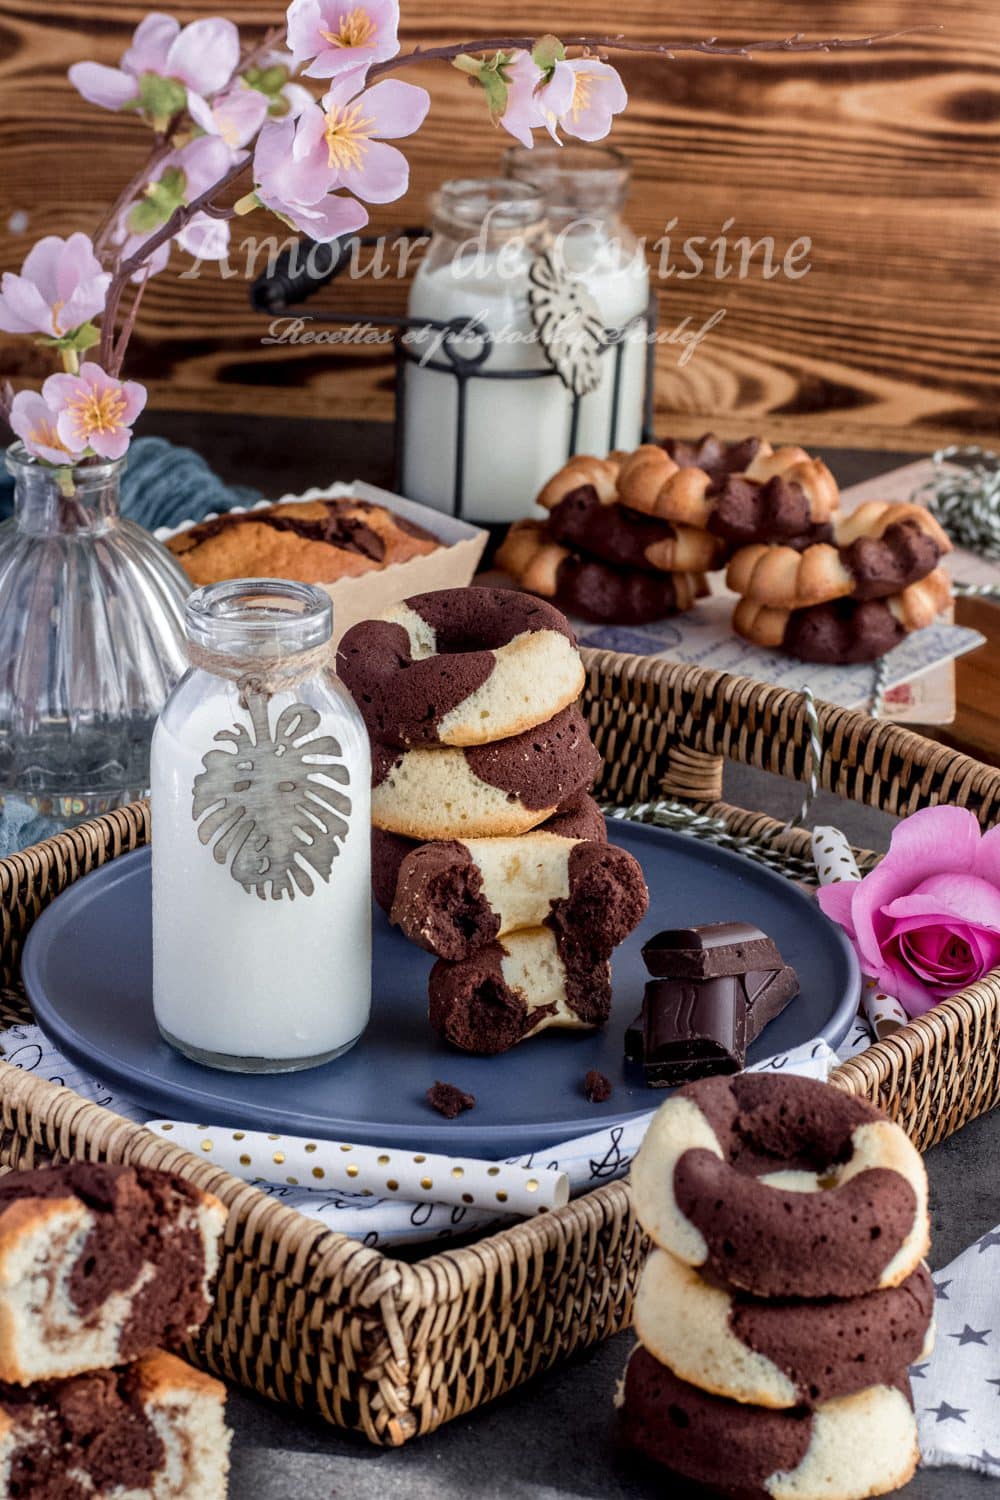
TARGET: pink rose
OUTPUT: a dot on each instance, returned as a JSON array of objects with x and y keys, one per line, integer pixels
[{"x": 926, "y": 921}]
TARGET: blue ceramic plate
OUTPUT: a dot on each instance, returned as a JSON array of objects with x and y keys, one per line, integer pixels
[{"x": 87, "y": 968}]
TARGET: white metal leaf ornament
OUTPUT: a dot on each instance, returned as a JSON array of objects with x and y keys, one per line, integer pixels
[
  {"x": 568, "y": 323},
  {"x": 268, "y": 803}
]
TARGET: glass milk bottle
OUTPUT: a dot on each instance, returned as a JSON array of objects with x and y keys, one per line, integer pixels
[
  {"x": 485, "y": 448},
  {"x": 260, "y": 779},
  {"x": 584, "y": 188}
]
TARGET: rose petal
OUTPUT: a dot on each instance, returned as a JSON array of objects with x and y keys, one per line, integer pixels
[
  {"x": 964, "y": 896},
  {"x": 836, "y": 901}
]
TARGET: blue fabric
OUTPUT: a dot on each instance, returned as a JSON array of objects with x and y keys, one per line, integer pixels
[{"x": 162, "y": 486}]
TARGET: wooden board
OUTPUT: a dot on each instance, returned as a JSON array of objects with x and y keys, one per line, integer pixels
[{"x": 888, "y": 160}]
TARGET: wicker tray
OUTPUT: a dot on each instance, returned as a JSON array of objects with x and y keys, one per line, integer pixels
[{"x": 390, "y": 1349}]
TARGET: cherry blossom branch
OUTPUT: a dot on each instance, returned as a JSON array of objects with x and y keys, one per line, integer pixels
[
  {"x": 709, "y": 47},
  {"x": 127, "y": 268},
  {"x": 135, "y": 185}
]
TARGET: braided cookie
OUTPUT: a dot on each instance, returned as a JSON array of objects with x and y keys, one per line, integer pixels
[
  {"x": 512, "y": 990},
  {"x": 780, "y": 1352},
  {"x": 740, "y": 493},
  {"x": 852, "y": 1446},
  {"x": 878, "y": 553},
  {"x": 625, "y": 539},
  {"x": 484, "y": 791},
  {"x": 845, "y": 630},
  {"x": 782, "y": 1187},
  {"x": 461, "y": 667},
  {"x": 456, "y": 896},
  {"x": 584, "y": 469},
  {"x": 594, "y": 590}
]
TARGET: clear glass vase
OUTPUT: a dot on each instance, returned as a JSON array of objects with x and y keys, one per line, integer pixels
[{"x": 91, "y": 640}]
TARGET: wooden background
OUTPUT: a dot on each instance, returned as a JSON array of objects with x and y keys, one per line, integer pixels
[{"x": 888, "y": 160}]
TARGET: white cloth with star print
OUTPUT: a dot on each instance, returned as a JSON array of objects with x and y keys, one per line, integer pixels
[{"x": 956, "y": 1392}]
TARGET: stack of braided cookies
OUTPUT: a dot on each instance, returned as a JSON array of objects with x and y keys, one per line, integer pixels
[
  {"x": 785, "y": 1296},
  {"x": 487, "y": 849},
  {"x": 847, "y": 591},
  {"x": 630, "y": 538}
]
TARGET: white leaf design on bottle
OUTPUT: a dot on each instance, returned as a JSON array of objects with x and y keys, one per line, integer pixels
[
  {"x": 266, "y": 801},
  {"x": 568, "y": 323}
]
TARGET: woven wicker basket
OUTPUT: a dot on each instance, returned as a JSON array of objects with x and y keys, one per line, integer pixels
[{"x": 391, "y": 1349}]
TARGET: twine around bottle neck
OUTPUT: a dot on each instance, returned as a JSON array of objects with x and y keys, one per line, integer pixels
[{"x": 255, "y": 678}]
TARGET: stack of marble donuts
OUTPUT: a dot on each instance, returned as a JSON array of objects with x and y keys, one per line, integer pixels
[
  {"x": 630, "y": 538},
  {"x": 487, "y": 849},
  {"x": 785, "y": 1296}
]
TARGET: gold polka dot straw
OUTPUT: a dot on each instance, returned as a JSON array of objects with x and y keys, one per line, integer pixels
[{"x": 375, "y": 1171}]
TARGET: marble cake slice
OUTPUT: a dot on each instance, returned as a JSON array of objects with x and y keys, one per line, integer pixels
[
  {"x": 153, "y": 1430},
  {"x": 100, "y": 1264}
]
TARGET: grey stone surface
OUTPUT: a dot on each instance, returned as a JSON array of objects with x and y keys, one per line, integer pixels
[{"x": 555, "y": 1437}]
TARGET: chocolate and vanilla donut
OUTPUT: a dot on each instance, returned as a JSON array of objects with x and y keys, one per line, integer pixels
[
  {"x": 863, "y": 1444},
  {"x": 780, "y": 1352},
  {"x": 100, "y": 1263},
  {"x": 454, "y": 897},
  {"x": 461, "y": 667},
  {"x": 484, "y": 791},
  {"x": 782, "y": 1187},
  {"x": 511, "y": 990},
  {"x": 582, "y": 820}
]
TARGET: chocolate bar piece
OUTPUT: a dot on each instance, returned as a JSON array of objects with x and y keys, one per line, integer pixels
[
  {"x": 766, "y": 993},
  {"x": 710, "y": 952},
  {"x": 692, "y": 1029}
]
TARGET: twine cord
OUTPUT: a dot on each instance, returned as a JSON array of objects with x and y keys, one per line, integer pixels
[
  {"x": 257, "y": 677},
  {"x": 967, "y": 503}
]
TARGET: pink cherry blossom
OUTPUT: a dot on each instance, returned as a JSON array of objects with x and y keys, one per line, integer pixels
[
  {"x": 524, "y": 112},
  {"x": 926, "y": 921},
  {"x": 202, "y": 56},
  {"x": 235, "y": 115},
  {"x": 94, "y": 410},
  {"x": 62, "y": 284},
  {"x": 581, "y": 97},
  {"x": 337, "y": 35},
  {"x": 34, "y": 422},
  {"x": 294, "y": 178},
  {"x": 358, "y": 127}
]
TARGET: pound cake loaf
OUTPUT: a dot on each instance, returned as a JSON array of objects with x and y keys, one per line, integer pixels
[
  {"x": 313, "y": 541},
  {"x": 153, "y": 1430},
  {"x": 100, "y": 1264}
]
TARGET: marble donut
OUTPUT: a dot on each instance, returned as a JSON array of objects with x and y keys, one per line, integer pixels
[
  {"x": 782, "y": 1187},
  {"x": 582, "y": 820},
  {"x": 152, "y": 1430},
  {"x": 484, "y": 791},
  {"x": 461, "y": 667},
  {"x": 100, "y": 1263},
  {"x": 513, "y": 989},
  {"x": 780, "y": 1352},
  {"x": 846, "y": 1449},
  {"x": 454, "y": 897}
]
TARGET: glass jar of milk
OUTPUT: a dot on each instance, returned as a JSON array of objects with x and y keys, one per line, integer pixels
[
  {"x": 260, "y": 779},
  {"x": 483, "y": 446}
]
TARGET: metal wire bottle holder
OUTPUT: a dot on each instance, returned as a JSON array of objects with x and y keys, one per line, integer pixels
[{"x": 298, "y": 274}]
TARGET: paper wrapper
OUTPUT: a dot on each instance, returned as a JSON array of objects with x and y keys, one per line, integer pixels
[
  {"x": 452, "y": 566},
  {"x": 372, "y": 1171}
]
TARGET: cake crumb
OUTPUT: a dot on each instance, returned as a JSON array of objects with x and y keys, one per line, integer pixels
[
  {"x": 449, "y": 1100},
  {"x": 596, "y": 1087}
]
